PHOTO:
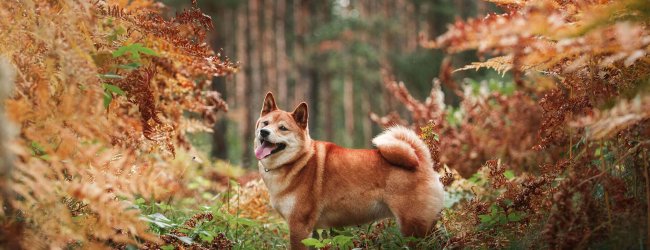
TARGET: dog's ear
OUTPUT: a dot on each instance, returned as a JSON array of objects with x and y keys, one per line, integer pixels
[
  {"x": 300, "y": 115},
  {"x": 269, "y": 104}
]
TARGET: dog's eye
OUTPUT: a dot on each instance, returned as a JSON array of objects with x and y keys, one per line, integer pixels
[
  {"x": 265, "y": 123},
  {"x": 283, "y": 128}
]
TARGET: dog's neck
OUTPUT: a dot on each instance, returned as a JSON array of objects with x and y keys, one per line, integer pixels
[
  {"x": 281, "y": 177},
  {"x": 296, "y": 160}
]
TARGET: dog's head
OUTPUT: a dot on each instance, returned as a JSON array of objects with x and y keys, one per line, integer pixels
[{"x": 280, "y": 136}]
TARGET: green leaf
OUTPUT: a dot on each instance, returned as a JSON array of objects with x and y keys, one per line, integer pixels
[
  {"x": 509, "y": 174},
  {"x": 311, "y": 242},
  {"x": 245, "y": 222},
  {"x": 148, "y": 51},
  {"x": 159, "y": 224},
  {"x": 475, "y": 178},
  {"x": 342, "y": 241},
  {"x": 515, "y": 217},
  {"x": 107, "y": 99},
  {"x": 120, "y": 51},
  {"x": 108, "y": 90},
  {"x": 134, "y": 50},
  {"x": 159, "y": 217},
  {"x": 113, "y": 89},
  {"x": 167, "y": 247},
  {"x": 494, "y": 210},
  {"x": 110, "y": 76},
  {"x": 206, "y": 238},
  {"x": 485, "y": 218},
  {"x": 503, "y": 219},
  {"x": 342, "y": 238},
  {"x": 37, "y": 149},
  {"x": 44, "y": 157},
  {"x": 139, "y": 201}
]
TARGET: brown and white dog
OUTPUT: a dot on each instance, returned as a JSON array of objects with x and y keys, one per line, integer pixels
[{"x": 316, "y": 184}]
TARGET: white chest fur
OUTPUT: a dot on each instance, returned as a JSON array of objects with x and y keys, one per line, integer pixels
[
  {"x": 284, "y": 204},
  {"x": 273, "y": 182}
]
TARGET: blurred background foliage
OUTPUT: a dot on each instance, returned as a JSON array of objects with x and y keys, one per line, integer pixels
[{"x": 329, "y": 54}]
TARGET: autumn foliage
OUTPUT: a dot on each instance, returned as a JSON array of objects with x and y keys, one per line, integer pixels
[
  {"x": 100, "y": 92},
  {"x": 558, "y": 157}
]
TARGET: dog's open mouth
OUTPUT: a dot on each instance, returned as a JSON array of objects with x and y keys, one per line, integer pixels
[{"x": 267, "y": 148}]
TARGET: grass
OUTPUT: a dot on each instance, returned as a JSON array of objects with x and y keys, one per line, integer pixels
[
  {"x": 186, "y": 221},
  {"x": 242, "y": 215}
]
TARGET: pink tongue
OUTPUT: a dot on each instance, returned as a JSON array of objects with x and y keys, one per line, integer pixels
[{"x": 263, "y": 150}]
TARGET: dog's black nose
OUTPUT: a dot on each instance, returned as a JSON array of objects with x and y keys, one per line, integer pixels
[{"x": 265, "y": 132}]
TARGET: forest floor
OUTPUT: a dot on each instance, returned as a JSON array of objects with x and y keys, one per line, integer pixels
[{"x": 230, "y": 207}]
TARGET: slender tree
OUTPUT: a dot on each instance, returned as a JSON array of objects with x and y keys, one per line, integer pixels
[{"x": 281, "y": 57}]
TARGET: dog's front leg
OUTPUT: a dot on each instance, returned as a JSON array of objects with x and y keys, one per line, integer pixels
[{"x": 299, "y": 231}]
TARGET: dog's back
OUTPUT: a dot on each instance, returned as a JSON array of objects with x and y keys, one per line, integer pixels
[{"x": 395, "y": 179}]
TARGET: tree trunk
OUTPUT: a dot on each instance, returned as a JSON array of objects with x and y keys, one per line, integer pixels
[
  {"x": 281, "y": 55},
  {"x": 301, "y": 15},
  {"x": 242, "y": 57},
  {"x": 367, "y": 123},
  {"x": 269, "y": 78},
  {"x": 348, "y": 105},
  {"x": 253, "y": 95},
  {"x": 314, "y": 111},
  {"x": 219, "y": 145},
  {"x": 327, "y": 103}
]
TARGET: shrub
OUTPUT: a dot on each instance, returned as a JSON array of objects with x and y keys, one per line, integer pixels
[
  {"x": 101, "y": 89},
  {"x": 556, "y": 161}
]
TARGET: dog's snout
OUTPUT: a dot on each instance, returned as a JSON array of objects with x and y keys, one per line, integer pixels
[{"x": 265, "y": 132}]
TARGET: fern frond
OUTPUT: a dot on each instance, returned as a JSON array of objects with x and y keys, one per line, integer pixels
[
  {"x": 501, "y": 64},
  {"x": 607, "y": 123}
]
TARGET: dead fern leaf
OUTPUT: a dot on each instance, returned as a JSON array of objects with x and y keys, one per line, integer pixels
[
  {"x": 501, "y": 64},
  {"x": 605, "y": 124}
]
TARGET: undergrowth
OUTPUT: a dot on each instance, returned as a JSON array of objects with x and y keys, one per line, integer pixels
[{"x": 96, "y": 132}]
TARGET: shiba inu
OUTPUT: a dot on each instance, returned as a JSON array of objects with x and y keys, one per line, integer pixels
[{"x": 317, "y": 184}]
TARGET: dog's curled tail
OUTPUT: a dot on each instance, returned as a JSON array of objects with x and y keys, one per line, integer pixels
[{"x": 403, "y": 147}]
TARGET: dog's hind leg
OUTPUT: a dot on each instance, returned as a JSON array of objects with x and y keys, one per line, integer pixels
[
  {"x": 417, "y": 226},
  {"x": 415, "y": 215}
]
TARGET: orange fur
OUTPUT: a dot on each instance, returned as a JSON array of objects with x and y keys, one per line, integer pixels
[{"x": 316, "y": 184}]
